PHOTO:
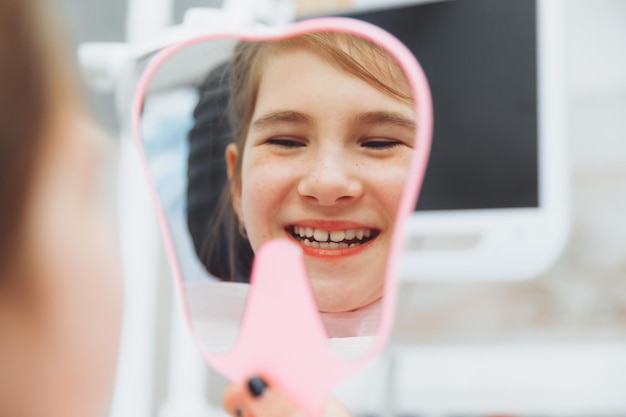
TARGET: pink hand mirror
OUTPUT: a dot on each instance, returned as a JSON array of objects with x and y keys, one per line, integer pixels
[{"x": 283, "y": 166}]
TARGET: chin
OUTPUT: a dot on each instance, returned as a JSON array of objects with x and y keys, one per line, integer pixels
[{"x": 334, "y": 300}]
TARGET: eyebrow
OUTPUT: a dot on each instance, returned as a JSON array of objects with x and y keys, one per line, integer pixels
[
  {"x": 367, "y": 118},
  {"x": 286, "y": 116},
  {"x": 385, "y": 117}
]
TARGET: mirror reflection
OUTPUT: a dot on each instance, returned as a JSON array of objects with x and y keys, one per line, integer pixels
[{"x": 307, "y": 138}]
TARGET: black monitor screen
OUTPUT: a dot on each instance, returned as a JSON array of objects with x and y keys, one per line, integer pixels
[{"x": 480, "y": 60}]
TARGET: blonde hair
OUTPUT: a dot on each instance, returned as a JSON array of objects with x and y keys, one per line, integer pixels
[{"x": 37, "y": 85}]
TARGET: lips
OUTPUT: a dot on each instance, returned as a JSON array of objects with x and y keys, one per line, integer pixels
[{"x": 336, "y": 239}]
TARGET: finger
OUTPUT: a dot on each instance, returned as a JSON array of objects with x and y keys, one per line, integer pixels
[
  {"x": 233, "y": 399},
  {"x": 262, "y": 399},
  {"x": 334, "y": 408}
]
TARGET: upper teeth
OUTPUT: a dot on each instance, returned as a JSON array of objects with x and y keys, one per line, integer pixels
[{"x": 322, "y": 235}]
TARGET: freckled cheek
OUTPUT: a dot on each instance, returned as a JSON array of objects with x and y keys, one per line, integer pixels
[
  {"x": 389, "y": 185},
  {"x": 265, "y": 190}
]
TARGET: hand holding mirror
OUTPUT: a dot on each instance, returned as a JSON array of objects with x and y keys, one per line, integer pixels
[{"x": 283, "y": 167}]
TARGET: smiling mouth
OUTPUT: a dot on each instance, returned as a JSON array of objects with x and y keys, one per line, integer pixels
[{"x": 332, "y": 239}]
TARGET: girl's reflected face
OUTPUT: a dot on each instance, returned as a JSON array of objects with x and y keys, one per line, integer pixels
[{"x": 324, "y": 165}]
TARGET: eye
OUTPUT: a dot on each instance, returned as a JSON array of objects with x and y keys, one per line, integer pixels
[
  {"x": 379, "y": 143},
  {"x": 285, "y": 142}
]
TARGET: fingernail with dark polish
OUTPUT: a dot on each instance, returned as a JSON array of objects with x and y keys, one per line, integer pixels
[
  {"x": 257, "y": 386},
  {"x": 239, "y": 412}
]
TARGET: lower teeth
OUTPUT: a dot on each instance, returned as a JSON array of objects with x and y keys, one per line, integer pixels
[{"x": 329, "y": 245}]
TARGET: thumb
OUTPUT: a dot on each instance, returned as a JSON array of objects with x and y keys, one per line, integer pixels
[
  {"x": 264, "y": 400},
  {"x": 260, "y": 398}
]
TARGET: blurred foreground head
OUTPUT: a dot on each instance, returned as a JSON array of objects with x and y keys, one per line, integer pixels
[{"x": 59, "y": 277}]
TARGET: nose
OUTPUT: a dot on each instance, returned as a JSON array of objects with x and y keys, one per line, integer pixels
[{"x": 329, "y": 179}]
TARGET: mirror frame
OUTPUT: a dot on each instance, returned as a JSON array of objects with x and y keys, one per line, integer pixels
[{"x": 270, "y": 342}]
